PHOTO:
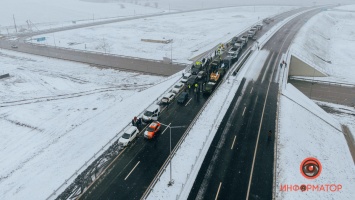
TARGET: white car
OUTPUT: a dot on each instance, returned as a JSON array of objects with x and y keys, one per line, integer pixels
[
  {"x": 234, "y": 50},
  {"x": 177, "y": 88},
  {"x": 129, "y": 135},
  {"x": 185, "y": 77},
  {"x": 168, "y": 97}
]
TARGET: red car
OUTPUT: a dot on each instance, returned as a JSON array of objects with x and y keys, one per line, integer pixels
[{"x": 152, "y": 130}]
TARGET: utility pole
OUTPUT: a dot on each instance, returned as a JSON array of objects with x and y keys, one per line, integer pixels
[
  {"x": 54, "y": 40},
  {"x": 171, "y": 52},
  {"x": 171, "y": 182},
  {"x": 13, "y": 16}
]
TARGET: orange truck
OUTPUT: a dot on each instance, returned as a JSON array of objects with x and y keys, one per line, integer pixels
[{"x": 214, "y": 77}]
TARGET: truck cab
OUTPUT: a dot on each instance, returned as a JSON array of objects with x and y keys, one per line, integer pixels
[
  {"x": 214, "y": 77},
  {"x": 209, "y": 87},
  {"x": 251, "y": 33}
]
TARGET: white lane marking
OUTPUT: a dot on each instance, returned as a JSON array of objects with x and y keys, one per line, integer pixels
[
  {"x": 251, "y": 90},
  {"x": 188, "y": 102},
  {"x": 257, "y": 140},
  {"x": 267, "y": 67},
  {"x": 132, "y": 170},
  {"x": 244, "y": 111},
  {"x": 235, "y": 137},
  {"x": 165, "y": 129},
  {"x": 219, "y": 188}
]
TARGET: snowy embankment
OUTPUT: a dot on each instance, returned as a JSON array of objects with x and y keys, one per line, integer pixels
[
  {"x": 199, "y": 138},
  {"x": 53, "y": 13},
  {"x": 191, "y": 33},
  {"x": 327, "y": 43},
  {"x": 69, "y": 112},
  {"x": 344, "y": 114},
  {"x": 305, "y": 130}
]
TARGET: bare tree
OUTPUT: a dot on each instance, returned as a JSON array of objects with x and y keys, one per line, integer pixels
[{"x": 104, "y": 46}]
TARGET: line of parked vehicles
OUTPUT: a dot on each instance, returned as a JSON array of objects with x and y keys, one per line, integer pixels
[{"x": 207, "y": 72}]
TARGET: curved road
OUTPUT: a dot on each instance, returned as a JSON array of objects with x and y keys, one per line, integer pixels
[
  {"x": 98, "y": 59},
  {"x": 240, "y": 162},
  {"x": 135, "y": 168}
]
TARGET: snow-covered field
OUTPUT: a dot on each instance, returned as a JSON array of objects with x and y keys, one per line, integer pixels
[
  {"x": 65, "y": 112},
  {"x": 305, "y": 130},
  {"x": 192, "y": 33},
  {"x": 329, "y": 36}
]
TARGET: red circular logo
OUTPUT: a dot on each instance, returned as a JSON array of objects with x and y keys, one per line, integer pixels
[{"x": 311, "y": 168}]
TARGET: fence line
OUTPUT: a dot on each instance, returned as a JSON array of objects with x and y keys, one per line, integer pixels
[
  {"x": 182, "y": 139},
  {"x": 106, "y": 146}
]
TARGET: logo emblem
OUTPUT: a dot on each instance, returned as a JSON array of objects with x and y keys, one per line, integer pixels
[{"x": 311, "y": 168}]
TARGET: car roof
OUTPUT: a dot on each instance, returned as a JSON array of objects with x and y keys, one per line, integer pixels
[
  {"x": 153, "y": 107},
  {"x": 179, "y": 84},
  {"x": 183, "y": 94},
  {"x": 153, "y": 124},
  {"x": 168, "y": 94},
  {"x": 131, "y": 129}
]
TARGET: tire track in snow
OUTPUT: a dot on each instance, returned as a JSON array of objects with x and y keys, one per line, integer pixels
[{"x": 72, "y": 95}]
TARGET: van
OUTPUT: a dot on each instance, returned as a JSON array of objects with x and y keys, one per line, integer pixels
[
  {"x": 151, "y": 114},
  {"x": 251, "y": 33}
]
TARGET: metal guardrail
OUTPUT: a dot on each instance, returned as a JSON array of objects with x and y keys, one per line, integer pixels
[
  {"x": 105, "y": 147},
  {"x": 101, "y": 53},
  {"x": 182, "y": 139},
  {"x": 235, "y": 67},
  {"x": 178, "y": 145},
  {"x": 322, "y": 82}
]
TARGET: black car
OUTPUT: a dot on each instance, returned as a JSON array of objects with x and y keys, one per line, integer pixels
[
  {"x": 201, "y": 75},
  {"x": 182, "y": 98},
  {"x": 215, "y": 65},
  {"x": 191, "y": 80},
  {"x": 196, "y": 68},
  {"x": 209, "y": 87},
  {"x": 195, "y": 71}
]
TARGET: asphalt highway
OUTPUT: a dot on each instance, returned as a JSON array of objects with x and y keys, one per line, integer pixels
[
  {"x": 97, "y": 59},
  {"x": 102, "y": 60},
  {"x": 240, "y": 161},
  {"x": 136, "y": 167}
]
